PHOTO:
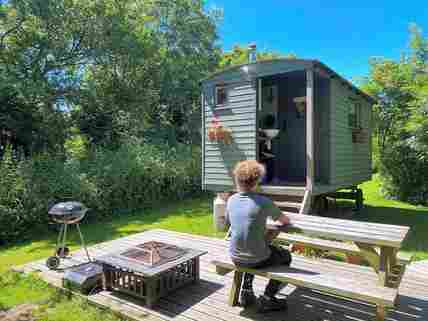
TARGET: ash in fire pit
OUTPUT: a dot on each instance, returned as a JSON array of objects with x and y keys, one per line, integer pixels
[{"x": 153, "y": 253}]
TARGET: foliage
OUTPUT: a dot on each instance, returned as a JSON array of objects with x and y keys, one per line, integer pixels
[
  {"x": 401, "y": 126},
  {"x": 239, "y": 55},
  {"x": 113, "y": 69},
  {"x": 137, "y": 175}
]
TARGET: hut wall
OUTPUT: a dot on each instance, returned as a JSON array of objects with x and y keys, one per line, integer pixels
[
  {"x": 350, "y": 161},
  {"x": 239, "y": 115}
]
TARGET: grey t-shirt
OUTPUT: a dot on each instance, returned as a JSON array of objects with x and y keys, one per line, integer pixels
[{"x": 247, "y": 214}]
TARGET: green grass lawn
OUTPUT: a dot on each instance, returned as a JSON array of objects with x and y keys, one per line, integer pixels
[
  {"x": 190, "y": 216},
  {"x": 380, "y": 210}
]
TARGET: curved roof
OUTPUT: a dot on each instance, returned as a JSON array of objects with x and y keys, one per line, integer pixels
[{"x": 297, "y": 64}]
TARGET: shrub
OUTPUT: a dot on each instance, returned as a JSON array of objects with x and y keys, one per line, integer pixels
[
  {"x": 137, "y": 175},
  {"x": 404, "y": 173}
]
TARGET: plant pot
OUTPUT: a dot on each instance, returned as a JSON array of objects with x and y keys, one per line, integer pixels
[
  {"x": 211, "y": 134},
  {"x": 354, "y": 259},
  {"x": 298, "y": 248},
  {"x": 219, "y": 133}
]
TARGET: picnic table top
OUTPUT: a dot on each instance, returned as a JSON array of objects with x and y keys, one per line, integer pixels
[{"x": 345, "y": 230}]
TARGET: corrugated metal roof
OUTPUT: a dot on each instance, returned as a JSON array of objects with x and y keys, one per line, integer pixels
[{"x": 306, "y": 63}]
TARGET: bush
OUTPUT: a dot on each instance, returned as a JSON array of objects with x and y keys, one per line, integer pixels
[
  {"x": 404, "y": 173},
  {"x": 137, "y": 175}
]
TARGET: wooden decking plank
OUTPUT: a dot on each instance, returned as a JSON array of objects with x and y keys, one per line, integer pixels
[
  {"x": 311, "y": 303},
  {"x": 125, "y": 310},
  {"x": 132, "y": 303}
]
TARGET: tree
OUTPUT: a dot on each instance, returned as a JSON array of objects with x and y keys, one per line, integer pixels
[
  {"x": 239, "y": 55},
  {"x": 401, "y": 125},
  {"x": 118, "y": 68},
  {"x": 43, "y": 47}
]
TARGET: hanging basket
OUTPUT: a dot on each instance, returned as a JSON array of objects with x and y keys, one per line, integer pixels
[{"x": 218, "y": 133}]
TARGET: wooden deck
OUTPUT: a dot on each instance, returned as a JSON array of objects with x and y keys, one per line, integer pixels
[{"x": 208, "y": 299}]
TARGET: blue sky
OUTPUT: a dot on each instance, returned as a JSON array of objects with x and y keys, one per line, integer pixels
[{"x": 342, "y": 34}]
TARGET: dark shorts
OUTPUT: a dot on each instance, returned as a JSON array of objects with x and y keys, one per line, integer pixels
[{"x": 278, "y": 256}]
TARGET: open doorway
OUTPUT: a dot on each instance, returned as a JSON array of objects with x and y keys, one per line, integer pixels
[{"x": 282, "y": 128}]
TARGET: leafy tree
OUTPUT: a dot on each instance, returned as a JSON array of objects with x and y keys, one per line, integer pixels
[
  {"x": 119, "y": 68},
  {"x": 239, "y": 55},
  {"x": 401, "y": 125}
]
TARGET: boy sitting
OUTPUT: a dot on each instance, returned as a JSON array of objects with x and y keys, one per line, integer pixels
[{"x": 249, "y": 243}]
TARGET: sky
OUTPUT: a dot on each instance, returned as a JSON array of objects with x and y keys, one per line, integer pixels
[{"x": 341, "y": 34}]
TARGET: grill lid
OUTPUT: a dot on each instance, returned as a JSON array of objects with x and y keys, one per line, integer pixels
[{"x": 68, "y": 208}]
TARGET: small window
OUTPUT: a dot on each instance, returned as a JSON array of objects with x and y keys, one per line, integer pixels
[
  {"x": 354, "y": 116},
  {"x": 220, "y": 95}
]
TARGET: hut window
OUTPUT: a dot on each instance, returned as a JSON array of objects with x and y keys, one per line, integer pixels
[
  {"x": 220, "y": 95},
  {"x": 354, "y": 116}
]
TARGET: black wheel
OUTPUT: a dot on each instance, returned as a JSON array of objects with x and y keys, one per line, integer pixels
[
  {"x": 53, "y": 262},
  {"x": 359, "y": 199},
  {"x": 63, "y": 252}
]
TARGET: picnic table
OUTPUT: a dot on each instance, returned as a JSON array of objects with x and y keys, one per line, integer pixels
[{"x": 378, "y": 243}]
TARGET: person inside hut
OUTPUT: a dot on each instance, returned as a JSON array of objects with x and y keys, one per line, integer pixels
[
  {"x": 250, "y": 243},
  {"x": 265, "y": 148}
]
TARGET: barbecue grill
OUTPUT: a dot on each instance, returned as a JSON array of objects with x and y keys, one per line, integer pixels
[{"x": 66, "y": 213}]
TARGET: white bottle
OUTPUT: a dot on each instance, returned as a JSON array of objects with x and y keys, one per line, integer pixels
[{"x": 219, "y": 214}]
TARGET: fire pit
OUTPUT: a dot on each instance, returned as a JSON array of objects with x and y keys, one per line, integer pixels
[{"x": 150, "y": 270}]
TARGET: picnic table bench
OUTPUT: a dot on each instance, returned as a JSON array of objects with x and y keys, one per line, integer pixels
[{"x": 379, "y": 244}]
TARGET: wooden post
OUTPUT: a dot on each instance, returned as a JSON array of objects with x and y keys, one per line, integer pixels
[
  {"x": 310, "y": 130},
  {"x": 385, "y": 265},
  {"x": 196, "y": 269},
  {"x": 380, "y": 313},
  {"x": 236, "y": 287},
  {"x": 150, "y": 292}
]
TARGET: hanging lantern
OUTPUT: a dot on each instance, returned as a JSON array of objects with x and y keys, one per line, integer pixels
[{"x": 300, "y": 106}]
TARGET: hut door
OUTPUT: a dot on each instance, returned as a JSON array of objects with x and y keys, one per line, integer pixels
[{"x": 291, "y": 164}]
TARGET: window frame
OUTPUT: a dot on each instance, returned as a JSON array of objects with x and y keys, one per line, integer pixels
[
  {"x": 226, "y": 95},
  {"x": 356, "y": 110}
]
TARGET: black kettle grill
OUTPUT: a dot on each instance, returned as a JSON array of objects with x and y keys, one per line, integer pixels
[{"x": 66, "y": 213}]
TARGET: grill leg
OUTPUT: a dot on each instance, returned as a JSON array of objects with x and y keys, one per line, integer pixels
[
  {"x": 83, "y": 241},
  {"x": 64, "y": 240},
  {"x": 58, "y": 241}
]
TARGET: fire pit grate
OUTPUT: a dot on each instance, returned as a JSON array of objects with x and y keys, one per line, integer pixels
[{"x": 153, "y": 253}]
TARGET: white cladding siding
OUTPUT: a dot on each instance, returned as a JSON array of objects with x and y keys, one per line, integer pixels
[
  {"x": 350, "y": 163},
  {"x": 239, "y": 115}
]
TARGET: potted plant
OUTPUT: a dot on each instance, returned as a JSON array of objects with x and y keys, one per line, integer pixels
[
  {"x": 216, "y": 132},
  {"x": 354, "y": 259},
  {"x": 298, "y": 248}
]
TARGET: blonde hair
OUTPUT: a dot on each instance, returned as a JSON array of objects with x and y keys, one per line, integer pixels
[{"x": 248, "y": 174}]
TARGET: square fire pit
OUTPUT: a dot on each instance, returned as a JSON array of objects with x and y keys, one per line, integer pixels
[{"x": 150, "y": 270}]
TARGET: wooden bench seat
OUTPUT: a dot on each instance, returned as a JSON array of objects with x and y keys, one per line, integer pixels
[{"x": 328, "y": 276}]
